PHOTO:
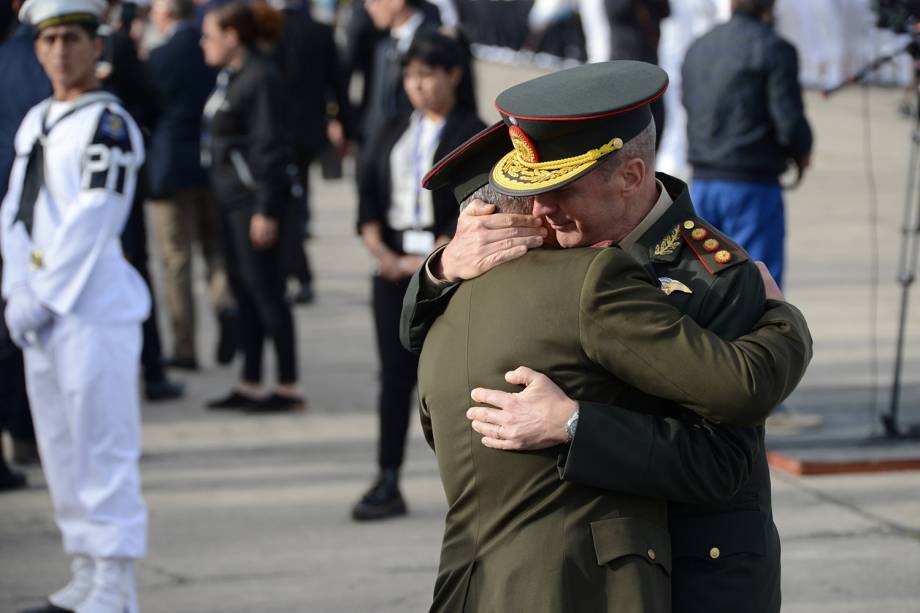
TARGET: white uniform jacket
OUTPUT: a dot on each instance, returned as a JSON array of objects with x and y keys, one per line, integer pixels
[{"x": 73, "y": 261}]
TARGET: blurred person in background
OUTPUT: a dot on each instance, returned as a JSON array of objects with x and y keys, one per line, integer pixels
[
  {"x": 404, "y": 20},
  {"x": 248, "y": 160},
  {"x": 24, "y": 84},
  {"x": 635, "y": 30},
  {"x": 308, "y": 60},
  {"x": 121, "y": 71},
  {"x": 689, "y": 20},
  {"x": 400, "y": 223},
  {"x": 181, "y": 206},
  {"x": 745, "y": 125},
  {"x": 75, "y": 305}
]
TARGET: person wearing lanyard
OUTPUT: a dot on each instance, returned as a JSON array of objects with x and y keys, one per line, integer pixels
[{"x": 400, "y": 223}]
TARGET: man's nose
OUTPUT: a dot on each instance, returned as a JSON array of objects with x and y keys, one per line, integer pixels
[{"x": 543, "y": 205}]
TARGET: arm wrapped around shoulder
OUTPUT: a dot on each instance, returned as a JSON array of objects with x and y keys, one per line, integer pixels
[{"x": 629, "y": 328}]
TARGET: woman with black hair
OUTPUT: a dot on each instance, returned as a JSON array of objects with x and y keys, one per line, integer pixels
[
  {"x": 248, "y": 167},
  {"x": 400, "y": 223}
]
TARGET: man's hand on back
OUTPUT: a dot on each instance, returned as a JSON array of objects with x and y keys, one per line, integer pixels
[
  {"x": 485, "y": 239},
  {"x": 532, "y": 419}
]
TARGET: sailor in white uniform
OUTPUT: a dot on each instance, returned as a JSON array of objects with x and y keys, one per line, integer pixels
[{"x": 75, "y": 305}]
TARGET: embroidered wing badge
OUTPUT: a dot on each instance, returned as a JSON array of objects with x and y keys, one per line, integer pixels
[{"x": 669, "y": 286}]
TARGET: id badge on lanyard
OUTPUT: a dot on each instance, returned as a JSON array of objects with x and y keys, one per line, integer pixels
[{"x": 418, "y": 241}]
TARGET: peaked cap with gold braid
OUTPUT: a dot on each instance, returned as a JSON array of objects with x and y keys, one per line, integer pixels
[
  {"x": 42, "y": 14},
  {"x": 563, "y": 123}
]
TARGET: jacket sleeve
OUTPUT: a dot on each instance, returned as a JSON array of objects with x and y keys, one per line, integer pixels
[
  {"x": 93, "y": 222},
  {"x": 628, "y": 328},
  {"x": 681, "y": 458},
  {"x": 372, "y": 202},
  {"x": 267, "y": 157},
  {"x": 684, "y": 459},
  {"x": 784, "y": 100},
  {"x": 422, "y": 305}
]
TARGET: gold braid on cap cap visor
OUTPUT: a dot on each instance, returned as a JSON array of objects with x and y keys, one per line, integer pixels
[
  {"x": 512, "y": 172},
  {"x": 68, "y": 19}
]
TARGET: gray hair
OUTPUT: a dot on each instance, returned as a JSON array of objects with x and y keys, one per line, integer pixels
[
  {"x": 641, "y": 146},
  {"x": 503, "y": 203}
]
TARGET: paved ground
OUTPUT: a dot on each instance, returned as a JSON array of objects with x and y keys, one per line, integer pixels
[{"x": 251, "y": 514}]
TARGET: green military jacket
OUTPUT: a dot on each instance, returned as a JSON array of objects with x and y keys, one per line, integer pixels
[
  {"x": 725, "y": 545},
  {"x": 517, "y": 538}
]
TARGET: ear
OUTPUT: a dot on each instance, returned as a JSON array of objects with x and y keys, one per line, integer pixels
[
  {"x": 455, "y": 74},
  {"x": 233, "y": 37},
  {"x": 632, "y": 176},
  {"x": 97, "y": 43}
]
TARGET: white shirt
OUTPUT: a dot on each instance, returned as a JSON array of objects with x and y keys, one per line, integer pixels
[
  {"x": 406, "y": 32},
  {"x": 72, "y": 261},
  {"x": 411, "y": 206}
]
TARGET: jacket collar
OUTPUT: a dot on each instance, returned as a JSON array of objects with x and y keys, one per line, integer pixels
[{"x": 661, "y": 242}]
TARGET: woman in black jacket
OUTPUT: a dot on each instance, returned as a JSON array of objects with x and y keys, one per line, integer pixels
[
  {"x": 400, "y": 223},
  {"x": 248, "y": 167}
]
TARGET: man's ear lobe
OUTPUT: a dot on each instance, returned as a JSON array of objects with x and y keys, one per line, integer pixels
[{"x": 633, "y": 175}]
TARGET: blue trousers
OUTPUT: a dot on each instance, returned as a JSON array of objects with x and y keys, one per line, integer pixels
[{"x": 750, "y": 213}]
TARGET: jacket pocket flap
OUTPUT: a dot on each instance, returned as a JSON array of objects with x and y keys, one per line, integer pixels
[
  {"x": 631, "y": 536},
  {"x": 729, "y": 533}
]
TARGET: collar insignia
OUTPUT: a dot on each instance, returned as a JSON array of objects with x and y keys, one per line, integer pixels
[{"x": 670, "y": 243}]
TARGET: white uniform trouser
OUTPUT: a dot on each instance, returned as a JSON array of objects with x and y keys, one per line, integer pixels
[{"x": 83, "y": 388}]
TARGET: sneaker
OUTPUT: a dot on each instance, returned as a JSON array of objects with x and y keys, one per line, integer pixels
[{"x": 383, "y": 500}]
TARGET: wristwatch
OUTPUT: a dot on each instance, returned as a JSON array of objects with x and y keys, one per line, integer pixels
[{"x": 571, "y": 425}]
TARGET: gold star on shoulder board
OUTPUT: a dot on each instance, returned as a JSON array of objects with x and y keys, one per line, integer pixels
[{"x": 669, "y": 286}]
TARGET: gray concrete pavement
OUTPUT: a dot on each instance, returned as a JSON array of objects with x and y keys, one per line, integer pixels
[{"x": 250, "y": 514}]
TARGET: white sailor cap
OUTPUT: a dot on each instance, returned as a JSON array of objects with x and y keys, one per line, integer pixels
[{"x": 41, "y": 14}]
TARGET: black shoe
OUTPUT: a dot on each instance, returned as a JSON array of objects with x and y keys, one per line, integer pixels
[
  {"x": 303, "y": 296},
  {"x": 233, "y": 401},
  {"x": 48, "y": 608},
  {"x": 227, "y": 341},
  {"x": 163, "y": 390},
  {"x": 11, "y": 480},
  {"x": 190, "y": 364},
  {"x": 276, "y": 403},
  {"x": 383, "y": 500}
]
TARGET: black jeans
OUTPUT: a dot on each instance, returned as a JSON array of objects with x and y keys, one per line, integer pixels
[
  {"x": 398, "y": 372},
  {"x": 258, "y": 281}
]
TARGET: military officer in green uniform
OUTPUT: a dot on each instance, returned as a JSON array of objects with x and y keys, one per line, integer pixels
[{"x": 524, "y": 313}]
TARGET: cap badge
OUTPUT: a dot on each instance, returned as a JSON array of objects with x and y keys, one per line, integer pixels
[{"x": 523, "y": 146}]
